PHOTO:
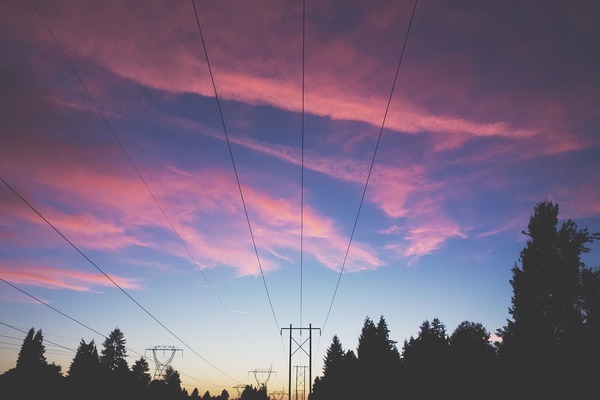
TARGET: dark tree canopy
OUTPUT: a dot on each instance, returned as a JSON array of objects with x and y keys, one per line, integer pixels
[
  {"x": 86, "y": 363},
  {"x": 31, "y": 357},
  {"x": 549, "y": 337},
  {"x": 549, "y": 348},
  {"x": 252, "y": 393},
  {"x": 114, "y": 353},
  {"x": 140, "y": 372}
]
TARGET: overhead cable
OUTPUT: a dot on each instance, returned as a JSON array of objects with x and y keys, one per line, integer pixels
[
  {"x": 137, "y": 171},
  {"x": 372, "y": 162},
  {"x": 112, "y": 280}
]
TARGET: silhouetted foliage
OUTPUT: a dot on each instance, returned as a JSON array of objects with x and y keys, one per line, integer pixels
[
  {"x": 114, "y": 353},
  {"x": 31, "y": 357},
  {"x": 549, "y": 349},
  {"x": 115, "y": 370},
  {"x": 32, "y": 376},
  {"x": 339, "y": 368},
  {"x": 252, "y": 393},
  {"x": 473, "y": 368},
  {"x": 140, "y": 378},
  {"x": 85, "y": 372},
  {"x": 426, "y": 359},
  {"x": 548, "y": 339}
]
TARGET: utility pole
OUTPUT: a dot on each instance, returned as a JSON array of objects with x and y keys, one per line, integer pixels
[
  {"x": 162, "y": 364},
  {"x": 300, "y": 346}
]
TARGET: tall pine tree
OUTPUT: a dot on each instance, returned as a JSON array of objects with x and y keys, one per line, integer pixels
[{"x": 546, "y": 341}]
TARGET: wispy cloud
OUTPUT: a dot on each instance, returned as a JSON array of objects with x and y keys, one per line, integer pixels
[{"x": 60, "y": 278}]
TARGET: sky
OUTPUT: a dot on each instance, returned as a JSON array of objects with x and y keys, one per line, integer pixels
[{"x": 209, "y": 183}]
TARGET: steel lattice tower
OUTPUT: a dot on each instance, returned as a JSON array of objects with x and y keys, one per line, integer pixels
[
  {"x": 261, "y": 372},
  {"x": 162, "y": 364}
]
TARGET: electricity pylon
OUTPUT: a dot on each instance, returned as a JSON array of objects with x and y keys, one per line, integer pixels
[
  {"x": 240, "y": 389},
  {"x": 162, "y": 364},
  {"x": 300, "y": 346},
  {"x": 266, "y": 371},
  {"x": 278, "y": 394},
  {"x": 301, "y": 381}
]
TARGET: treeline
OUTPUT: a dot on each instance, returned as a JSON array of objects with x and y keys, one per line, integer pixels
[
  {"x": 92, "y": 375},
  {"x": 550, "y": 348}
]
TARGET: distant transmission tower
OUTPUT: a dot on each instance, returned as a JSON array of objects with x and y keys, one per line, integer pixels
[
  {"x": 301, "y": 382},
  {"x": 167, "y": 353},
  {"x": 239, "y": 388},
  {"x": 278, "y": 394},
  {"x": 262, "y": 372}
]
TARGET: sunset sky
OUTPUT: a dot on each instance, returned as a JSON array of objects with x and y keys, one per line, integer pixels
[{"x": 133, "y": 197}]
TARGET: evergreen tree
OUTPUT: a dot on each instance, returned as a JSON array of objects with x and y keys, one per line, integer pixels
[
  {"x": 378, "y": 359},
  {"x": 195, "y": 394},
  {"x": 473, "y": 361},
  {"x": 545, "y": 342},
  {"x": 172, "y": 378},
  {"x": 114, "y": 353},
  {"x": 31, "y": 356},
  {"x": 140, "y": 378},
  {"x": 426, "y": 361},
  {"x": 32, "y": 376},
  {"x": 140, "y": 371},
  {"x": 84, "y": 376},
  {"x": 85, "y": 366},
  {"x": 116, "y": 375},
  {"x": 334, "y": 357},
  {"x": 335, "y": 373},
  {"x": 252, "y": 393}
]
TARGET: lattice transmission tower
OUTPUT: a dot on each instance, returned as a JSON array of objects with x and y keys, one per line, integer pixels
[
  {"x": 278, "y": 394},
  {"x": 240, "y": 389},
  {"x": 262, "y": 381},
  {"x": 167, "y": 354}
]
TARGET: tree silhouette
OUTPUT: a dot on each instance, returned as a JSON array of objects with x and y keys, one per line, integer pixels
[
  {"x": 473, "y": 360},
  {"x": 114, "y": 353},
  {"x": 338, "y": 369},
  {"x": 31, "y": 357},
  {"x": 426, "y": 360},
  {"x": 545, "y": 342},
  {"x": 114, "y": 365},
  {"x": 85, "y": 372},
  {"x": 378, "y": 359},
  {"x": 140, "y": 378},
  {"x": 252, "y": 393},
  {"x": 32, "y": 376}
]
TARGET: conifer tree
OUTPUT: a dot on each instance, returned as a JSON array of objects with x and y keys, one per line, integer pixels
[
  {"x": 113, "y": 353},
  {"x": 548, "y": 337},
  {"x": 31, "y": 356}
]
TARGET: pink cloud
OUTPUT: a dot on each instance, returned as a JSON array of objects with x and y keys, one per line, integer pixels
[
  {"x": 114, "y": 211},
  {"x": 253, "y": 66},
  {"x": 59, "y": 278}
]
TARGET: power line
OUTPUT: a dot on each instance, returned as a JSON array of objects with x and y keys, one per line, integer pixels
[
  {"x": 110, "y": 279},
  {"x": 233, "y": 163},
  {"x": 372, "y": 161},
  {"x": 130, "y": 159},
  {"x": 302, "y": 161},
  {"x": 45, "y": 340},
  {"x": 62, "y": 313}
]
